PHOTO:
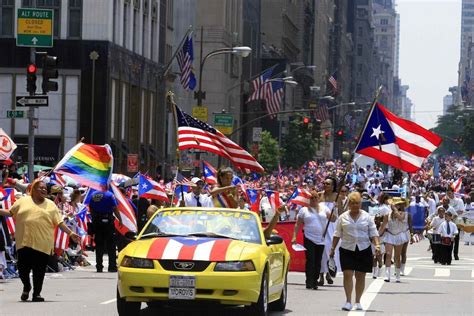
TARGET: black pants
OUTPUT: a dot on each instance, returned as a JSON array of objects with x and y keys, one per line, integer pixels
[
  {"x": 314, "y": 254},
  {"x": 105, "y": 240},
  {"x": 456, "y": 245},
  {"x": 30, "y": 259},
  {"x": 445, "y": 253}
]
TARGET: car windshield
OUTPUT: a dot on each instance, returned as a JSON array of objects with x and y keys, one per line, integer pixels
[{"x": 209, "y": 223}]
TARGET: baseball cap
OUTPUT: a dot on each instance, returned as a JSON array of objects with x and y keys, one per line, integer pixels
[{"x": 195, "y": 180}]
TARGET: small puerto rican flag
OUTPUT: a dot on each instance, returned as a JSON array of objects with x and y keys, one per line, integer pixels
[
  {"x": 300, "y": 197},
  {"x": 61, "y": 241}
]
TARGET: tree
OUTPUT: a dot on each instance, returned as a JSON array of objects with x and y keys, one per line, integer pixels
[
  {"x": 299, "y": 144},
  {"x": 269, "y": 153},
  {"x": 456, "y": 129}
]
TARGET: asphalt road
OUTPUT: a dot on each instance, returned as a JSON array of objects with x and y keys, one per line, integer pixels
[{"x": 427, "y": 289}]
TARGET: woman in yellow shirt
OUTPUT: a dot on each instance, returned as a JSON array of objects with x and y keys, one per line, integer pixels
[{"x": 36, "y": 219}]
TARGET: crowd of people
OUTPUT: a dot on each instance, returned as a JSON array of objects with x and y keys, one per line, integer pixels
[{"x": 360, "y": 219}]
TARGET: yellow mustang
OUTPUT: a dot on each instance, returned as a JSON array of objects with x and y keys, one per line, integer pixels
[{"x": 203, "y": 254}]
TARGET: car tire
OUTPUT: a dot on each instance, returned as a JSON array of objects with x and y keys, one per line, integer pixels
[
  {"x": 125, "y": 308},
  {"x": 261, "y": 307},
  {"x": 280, "y": 304}
]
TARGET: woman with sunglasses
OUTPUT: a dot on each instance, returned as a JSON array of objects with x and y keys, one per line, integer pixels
[
  {"x": 314, "y": 218},
  {"x": 328, "y": 198}
]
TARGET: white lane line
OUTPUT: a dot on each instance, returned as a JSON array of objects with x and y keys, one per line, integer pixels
[
  {"x": 368, "y": 297},
  {"x": 439, "y": 280},
  {"x": 439, "y": 272},
  {"x": 408, "y": 270},
  {"x": 109, "y": 301}
]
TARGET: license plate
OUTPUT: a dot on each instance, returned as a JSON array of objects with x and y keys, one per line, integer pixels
[{"x": 182, "y": 287}]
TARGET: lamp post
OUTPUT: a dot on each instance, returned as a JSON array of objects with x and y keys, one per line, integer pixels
[{"x": 93, "y": 56}]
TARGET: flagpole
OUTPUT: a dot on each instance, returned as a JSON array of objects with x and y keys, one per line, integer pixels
[
  {"x": 170, "y": 96},
  {"x": 349, "y": 165}
]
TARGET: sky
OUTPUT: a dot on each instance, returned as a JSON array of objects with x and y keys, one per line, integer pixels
[{"x": 430, "y": 32}]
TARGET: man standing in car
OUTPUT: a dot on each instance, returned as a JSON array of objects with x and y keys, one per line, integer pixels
[{"x": 103, "y": 206}]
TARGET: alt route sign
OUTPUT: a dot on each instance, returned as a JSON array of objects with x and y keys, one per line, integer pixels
[{"x": 35, "y": 28}]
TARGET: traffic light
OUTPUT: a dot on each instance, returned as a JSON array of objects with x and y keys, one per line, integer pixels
[
  {"x": 306, "y": 121},
  {"x": 327, "y": 134},
  {"x": 339, "y": 134},
  {"x": 49, "y": 72},
  {"x": 31, "y": 79}
]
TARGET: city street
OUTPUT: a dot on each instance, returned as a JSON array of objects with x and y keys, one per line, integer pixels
[{"x": 427, "y": 289}]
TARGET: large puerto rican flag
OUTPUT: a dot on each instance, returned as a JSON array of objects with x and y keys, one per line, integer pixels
[
  {"x": 148, "y": 188},
  {"x": 395, "y": 141},
  {"x": 300, "y": 197}
]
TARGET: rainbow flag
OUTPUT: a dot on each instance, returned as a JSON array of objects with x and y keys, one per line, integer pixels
[{"x": 90, "y": 165}]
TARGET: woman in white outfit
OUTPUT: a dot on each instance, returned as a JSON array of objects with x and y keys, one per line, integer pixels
[{"x": 395, "y": 232}]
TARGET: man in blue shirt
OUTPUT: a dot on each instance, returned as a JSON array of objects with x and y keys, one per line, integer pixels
[{"x": 103, "y": 206}]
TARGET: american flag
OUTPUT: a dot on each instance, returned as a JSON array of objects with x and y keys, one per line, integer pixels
[
  {"x": 333, "y": 82},
  {"x": 193, "y": 133},
  {"x": 270, "y": 91},
  {"x": 185, "y": 61},
  {"x": 322, "y": 113}
]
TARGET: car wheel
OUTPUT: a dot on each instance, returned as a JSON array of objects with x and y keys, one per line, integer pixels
[
  {"x": 280, "y": 305},
  {"x": 125, "y": 308},
  {"x": 261, "y": 307}
]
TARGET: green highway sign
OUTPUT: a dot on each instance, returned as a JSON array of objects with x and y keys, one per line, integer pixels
[
  {"x": 224, "y": 123},
  {"x": 35, "y": 28},
  {"x": 15, "y": 114}
]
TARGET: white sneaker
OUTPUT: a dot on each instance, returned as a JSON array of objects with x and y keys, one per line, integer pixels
[
  {"x": 376, "y": 272},
  {"x": 387, "y": 274},
  {"x": 347, "y": 306},
  {"x": 402, "y": 269},
  {"x": 397, "y": 275},
  {"x": 358, "y": 307}
]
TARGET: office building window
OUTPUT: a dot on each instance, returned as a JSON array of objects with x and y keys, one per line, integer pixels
[
  {"x": 136, "y": 34},
  {"x": 384, "y": 30},
  {"x": 75, "y": 18},
  {"x": 7, "y": 8},
  {"x": 360, "y": 31},
  {"x": 359, "y": 67},
  {"x": 359, "y": 49},
  {"x": 154, "y": 31},
  {"x": 145, "y": 29},
  {"x": 115, "y": 21},
  {"x": 47, "y": 4},
  {"x": 384, "y": 21},
  {"x": 358, "y": 90},
  {"x": 125, "y": 24},
  {"x": 169, "y": 14}
]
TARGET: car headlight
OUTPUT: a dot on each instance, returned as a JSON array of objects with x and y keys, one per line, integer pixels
[
  {"x": 140, "y": 263},
  {"x": 235, "y": 266}
]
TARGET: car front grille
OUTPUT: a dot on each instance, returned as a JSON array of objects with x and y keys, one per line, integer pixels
[{"x": 182, "y": 265}]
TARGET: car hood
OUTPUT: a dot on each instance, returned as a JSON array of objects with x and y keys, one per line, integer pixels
[{"x": 192, "y": 248}]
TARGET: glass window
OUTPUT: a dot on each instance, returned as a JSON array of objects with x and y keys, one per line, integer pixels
[
  {"x": 358, "y": 90},
  {"x": 384, "y": 21},
  {"x": 125, "y": 24},
  {"x": 75, "y": 17},
  {"x": 359, "y": 50},
  {"x": 7, "y": 14}
]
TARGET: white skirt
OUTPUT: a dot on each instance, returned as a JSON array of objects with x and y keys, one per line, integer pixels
[{"x": 398, "y": 239}]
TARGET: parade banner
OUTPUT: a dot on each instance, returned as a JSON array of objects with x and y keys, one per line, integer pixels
[
  {"x": 7, "y": 146},
  {"x": 285, "y": 230}
]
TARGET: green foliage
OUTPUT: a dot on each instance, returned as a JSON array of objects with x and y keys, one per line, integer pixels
[
  {"x": 299, "y": 144},
  {"x": 269, "y": 153},
  {"x": 456, "y": 128}
]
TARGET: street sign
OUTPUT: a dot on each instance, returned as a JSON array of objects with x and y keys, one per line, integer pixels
[
  {"x": 35, "y": 28},
  {"x": 37, "y": 100},
  {"x": 15, "y": 114},
  {"x": 224, "y": 123},
  {"x": 257, "y": 134},
  {"x": 200, "y": 112}
]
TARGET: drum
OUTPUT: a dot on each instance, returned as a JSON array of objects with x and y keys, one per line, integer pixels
[
  {"x": 436, "y": 238},
  {"x": 446, "y": 241}
]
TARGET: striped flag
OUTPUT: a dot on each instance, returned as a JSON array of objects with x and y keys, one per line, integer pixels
[
  {"x": 395, "y": 141},
  {"x": 185, "y": 61},
  {"x": 83, "y": 217},
  {"x": 274, "y": 199},
  {"x": 333, "y": 83},
  {"x": 127, "y": 213},
  {"x": 58, "y": 179},
  {"x": 270, "y": 91},
  {"x": 150, "y": 189},
  {"x": 193, "y": 133},
  {"x": 210, "y": 174},
  {"x": 322, "y": 113},
  {"x": 258, "y": 84},
  {"x": 7, "y": 197},
  {"x": 61, "y": 241},
  {"x": 456, "y": 185},
  {"x": 11, "y": 224},
  {"x": 300, "y": 197}
]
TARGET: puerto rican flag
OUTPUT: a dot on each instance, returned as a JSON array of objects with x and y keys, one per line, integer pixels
[
  {"x": 58, "y": 179},
  {"x": 185, "y": 248},
  {"x": 83, "y": 217},
  {"x": 61, "y": 241},
  {"x": 210, "y": 174},
  {"x": 457, "y": 185},
  {"x": 395, "y": 141},
  {"x": 254, "y": 199},
  {"x": 126, "y": 211},
  {"x": 300, "y": 197},
  {"x": 7, "y": 197},
  {"x": 148, "y": 188},
  {"x": 274, "y": 199}
]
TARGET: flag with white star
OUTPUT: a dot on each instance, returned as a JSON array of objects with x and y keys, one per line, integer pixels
[
  {"x": 395, "y": 141},
  {"x": 150, "y": 189}
]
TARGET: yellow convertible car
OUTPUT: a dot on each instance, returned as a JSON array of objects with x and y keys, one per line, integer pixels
[{"x": 203, "y": 255}]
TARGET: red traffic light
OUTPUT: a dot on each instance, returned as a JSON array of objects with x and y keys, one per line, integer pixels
[
  {"x": 306, "y": 120},
  {"x": 327, "y": 134},
  {"x": 31, "y": 69},
  {"x": 340, "y": 132}
]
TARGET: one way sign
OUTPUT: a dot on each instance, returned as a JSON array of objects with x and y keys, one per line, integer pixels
[{"x": 36, "y": 100}]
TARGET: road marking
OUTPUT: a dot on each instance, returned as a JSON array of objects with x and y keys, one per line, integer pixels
[
  {"x": 408, "y": 270},
  {"x": 368, "y": 297},
  {"x": 441, "y": 280},
  {"x": 109, "y": 301},
  {"x": 442, "y": 272}
]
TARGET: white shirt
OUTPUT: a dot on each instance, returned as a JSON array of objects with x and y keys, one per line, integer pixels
[
  {"x": 314, "y": 222},
  {"x": 457, "y": 204},
  {"x": 435, "y": 223},
  {"x": 442, "y": 229},
  {"x": 431, "y": 206},
  {"x": 190, "y": 200},
  {"x": 355, "y": 233},
  {"x": 384, "y": 209}
]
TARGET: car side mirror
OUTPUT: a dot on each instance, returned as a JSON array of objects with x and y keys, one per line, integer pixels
[
  {"x": 131, "y": 235},
  {"x": 274, "y": 240}
]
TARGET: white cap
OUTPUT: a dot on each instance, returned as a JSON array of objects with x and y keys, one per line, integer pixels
[{"x": 195, "y": 180}]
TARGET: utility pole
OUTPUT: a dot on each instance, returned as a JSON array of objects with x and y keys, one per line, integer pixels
[{"x": 31, "y": 128}]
